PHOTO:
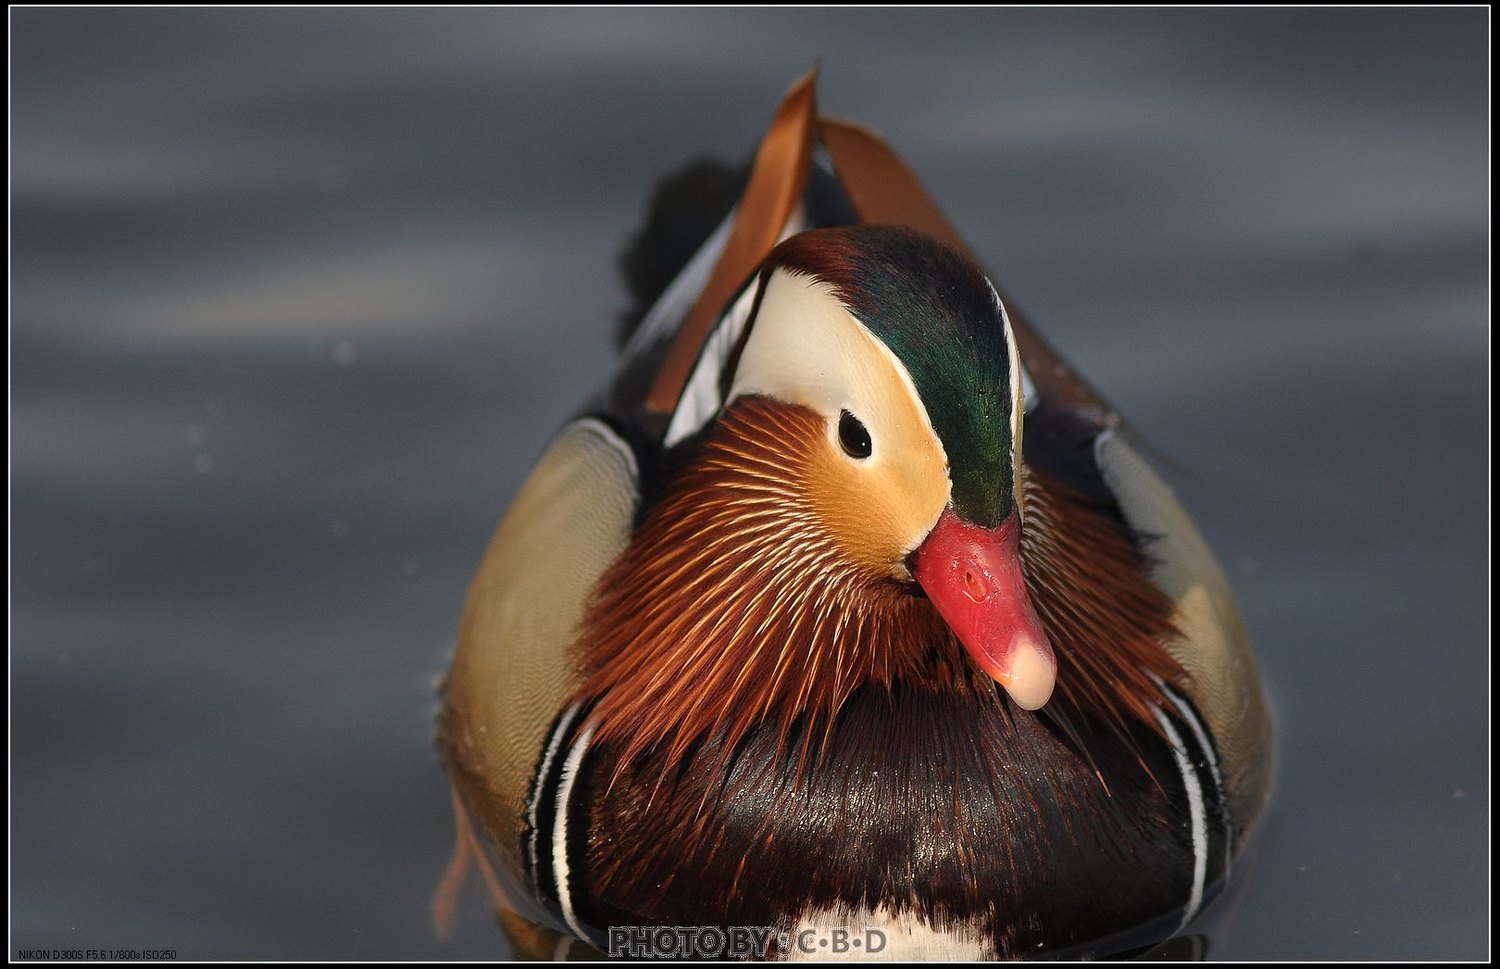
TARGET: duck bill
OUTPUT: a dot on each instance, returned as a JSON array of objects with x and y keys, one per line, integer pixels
[{"x": 973, "y": 577}]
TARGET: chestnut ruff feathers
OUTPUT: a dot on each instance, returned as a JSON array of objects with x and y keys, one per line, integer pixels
[{"x": 733, "y": 606}]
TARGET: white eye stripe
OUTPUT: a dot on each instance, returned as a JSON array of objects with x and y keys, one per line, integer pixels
[
  {"x": 1017, "y": 397},
  {"x": 1017, "y": 369},
  {"x": 1018, "y": 389},
  {"x": 677, "y": 300}
]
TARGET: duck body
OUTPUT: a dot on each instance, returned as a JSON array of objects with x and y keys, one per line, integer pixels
[{"x": 770, "y": 635}]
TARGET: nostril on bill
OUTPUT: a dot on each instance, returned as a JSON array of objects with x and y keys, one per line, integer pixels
[{"x": 974, "y": 587}]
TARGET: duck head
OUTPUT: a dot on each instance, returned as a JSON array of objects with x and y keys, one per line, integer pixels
[
  {"x": 901, "y": 349},
  {"x": 853, "y": 515}
]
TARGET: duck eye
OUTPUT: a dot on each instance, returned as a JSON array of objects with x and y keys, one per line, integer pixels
[{"x": 853, "y": 435}]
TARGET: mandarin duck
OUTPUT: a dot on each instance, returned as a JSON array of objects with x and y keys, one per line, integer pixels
[{"x": 846, "y": 603}]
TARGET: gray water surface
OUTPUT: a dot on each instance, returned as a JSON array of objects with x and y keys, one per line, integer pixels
[{"x": 299, "y": 295}]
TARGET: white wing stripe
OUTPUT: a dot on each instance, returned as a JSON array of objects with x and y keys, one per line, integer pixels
[
  {"x": 701, "y": 399},
  {"x": 1198, "y": 818},
  {"x": 560, "y": 831},
  {"x": 553, "y": 743},
  {"x": 669, "y": 310},
  {"x": 1213, "y": 764}
]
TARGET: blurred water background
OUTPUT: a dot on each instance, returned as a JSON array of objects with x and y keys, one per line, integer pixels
[{"x": 299, "y": 295}]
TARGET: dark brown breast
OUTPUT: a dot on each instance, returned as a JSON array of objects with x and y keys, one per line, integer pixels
[{"x": 963, "y": 812}]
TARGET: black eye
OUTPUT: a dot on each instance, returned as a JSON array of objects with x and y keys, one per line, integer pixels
[{"x": 853, "y": 436}]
